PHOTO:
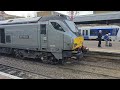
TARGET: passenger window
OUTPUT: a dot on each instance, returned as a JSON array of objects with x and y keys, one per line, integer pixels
[
  {"x": 57, "y": 26},
  {"x": 83, "y": 32},
  {"x": 8, "y": 39},
  {"x": 86, "y": 32},
  {"x": 43, "y": 28},
  {"x": 94, "y": 32}
]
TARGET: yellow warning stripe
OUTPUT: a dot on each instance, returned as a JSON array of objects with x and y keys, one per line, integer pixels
[{"x": 78, "y": 42}]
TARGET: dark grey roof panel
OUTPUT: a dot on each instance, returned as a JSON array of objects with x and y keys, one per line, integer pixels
[
  {"x": 98, "y": 17},
  {"x": 20, "y": 20},
  {"x": 55, "y": 17}
]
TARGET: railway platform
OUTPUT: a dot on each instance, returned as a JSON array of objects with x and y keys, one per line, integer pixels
[
  {"x": 92, "y": 45},
  {"x": 7, "y": 76},
  {"x": 104, "y": 50}
]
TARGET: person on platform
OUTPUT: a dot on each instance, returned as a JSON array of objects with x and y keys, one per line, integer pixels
[
  {"x": 106, "y": 38},
  {"x": 99, "y": 38}
]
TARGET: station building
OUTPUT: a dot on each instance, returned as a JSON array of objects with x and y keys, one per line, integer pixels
[{"x": 47, "y": 13}]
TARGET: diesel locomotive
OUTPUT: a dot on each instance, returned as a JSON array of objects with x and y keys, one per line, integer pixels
[{"x": 51, "y": 39}]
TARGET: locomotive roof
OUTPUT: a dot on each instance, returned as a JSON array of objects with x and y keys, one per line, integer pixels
[
  {"x": 20, "y": 21},
  {"x": 56, "y": 17},
  {"x": 32, "y": 20}
]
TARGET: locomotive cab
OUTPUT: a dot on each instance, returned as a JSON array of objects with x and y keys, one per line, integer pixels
[
  {"x": 78, "y": 49},
  {"x": 63, "y": 37}
]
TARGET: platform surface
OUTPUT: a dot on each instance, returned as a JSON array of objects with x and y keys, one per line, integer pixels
[{"x": 92, "y": 45}]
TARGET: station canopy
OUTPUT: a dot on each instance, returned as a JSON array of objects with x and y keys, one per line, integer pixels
[{"x": 98, "y": 17}]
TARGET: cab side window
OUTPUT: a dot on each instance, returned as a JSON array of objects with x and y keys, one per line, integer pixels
[
  {"x": 57, "y": 26},
  {"x": 43, "y": 28},
  {"x": 8, "y": 39},
  {"x": 86, "y": 32}
]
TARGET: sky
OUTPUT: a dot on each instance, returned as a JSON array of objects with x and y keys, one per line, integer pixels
[
  {"x": 21, "y": 13},
  {"x": 32, "y": 13}
]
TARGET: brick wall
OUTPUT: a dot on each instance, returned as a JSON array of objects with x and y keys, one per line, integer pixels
[
  {"x": 44, "y": 13},
  {"x": 47, "y": 13}
]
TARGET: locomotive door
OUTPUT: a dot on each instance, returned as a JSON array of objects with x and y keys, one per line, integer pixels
[
  {"x": 43, "y": 36},
  {"x": 85, "y": 34}
]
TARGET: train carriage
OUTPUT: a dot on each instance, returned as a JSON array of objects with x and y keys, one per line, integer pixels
[{"x": 91, "y": 32}]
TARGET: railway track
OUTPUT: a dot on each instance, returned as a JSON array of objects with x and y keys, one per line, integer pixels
[
  {"x": 24, "y": 74},
  {"x": 94, "y": 70},
  {"x": 90, "y": 67},
  {"x": 32, "y": 75},
  {"x": 102, "y": 55}
]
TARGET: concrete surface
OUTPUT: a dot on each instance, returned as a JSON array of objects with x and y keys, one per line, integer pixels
[
  {"x": 7, "y": 76},
  {"x": 92, "y": 45}
]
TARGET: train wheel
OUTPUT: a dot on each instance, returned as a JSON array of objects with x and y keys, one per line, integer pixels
[
  {"x": 62, "y": 61},
  {"x": 53, "y": 60},
  {"x": 19, "y": 55},
  {"x": 79, "y": 58},
  {"x": 44, "y": 59}
]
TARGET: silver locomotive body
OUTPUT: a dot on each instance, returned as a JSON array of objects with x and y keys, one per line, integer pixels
[{"x": 50, "y": 38}]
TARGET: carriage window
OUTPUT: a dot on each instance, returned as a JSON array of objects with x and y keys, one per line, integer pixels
[
  {"x": 114, "y": 32},
  {"x": 8, "y": 39},
  {"x": 57, "y": 26},
  {"x": 93, "y": 32},
  {"x": 83, "y": 32},
  {"x": 86, "y": 32},
  {"x": 43, "y": 28},
  {"x": 105, "y": 31}
]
